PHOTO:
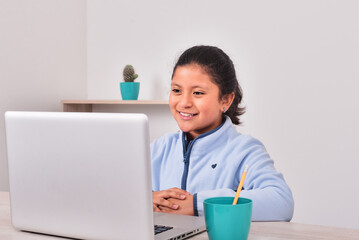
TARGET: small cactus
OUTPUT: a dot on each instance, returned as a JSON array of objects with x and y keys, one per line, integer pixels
[{"x": 129, "y": 74}]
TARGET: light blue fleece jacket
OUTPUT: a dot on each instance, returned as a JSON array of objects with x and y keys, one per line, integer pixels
[{"x": 212, "y": 166}]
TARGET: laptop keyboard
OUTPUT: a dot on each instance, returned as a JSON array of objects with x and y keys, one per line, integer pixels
[{"x": 160, "y": 228}]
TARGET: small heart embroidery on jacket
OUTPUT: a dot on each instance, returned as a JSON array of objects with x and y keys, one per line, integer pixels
[{"x": 214, "y": 165}]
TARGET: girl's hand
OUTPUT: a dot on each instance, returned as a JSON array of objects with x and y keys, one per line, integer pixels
[
  {"x": 185, "y": 206},
  {"x": 160, "y": 198}
]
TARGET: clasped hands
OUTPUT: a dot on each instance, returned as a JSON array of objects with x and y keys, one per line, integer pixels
[{"x": 173, "y": 200}]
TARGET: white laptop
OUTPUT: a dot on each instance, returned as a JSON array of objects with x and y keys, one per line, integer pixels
[{"x": 85, "y": 175}]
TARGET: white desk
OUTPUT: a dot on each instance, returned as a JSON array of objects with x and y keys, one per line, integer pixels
[{"x": 259, "y": 230}]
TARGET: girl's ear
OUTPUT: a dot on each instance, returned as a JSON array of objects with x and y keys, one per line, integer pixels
[{"x": 227, "y": 101}]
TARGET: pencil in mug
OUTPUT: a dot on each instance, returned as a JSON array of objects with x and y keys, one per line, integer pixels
[{"x": 240, "y": 185}]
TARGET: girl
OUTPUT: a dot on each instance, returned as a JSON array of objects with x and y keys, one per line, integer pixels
[{"x": 207, "y": 157}]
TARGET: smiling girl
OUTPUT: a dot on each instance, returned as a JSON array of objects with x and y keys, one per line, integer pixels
[{"x": 207, "y": 157}]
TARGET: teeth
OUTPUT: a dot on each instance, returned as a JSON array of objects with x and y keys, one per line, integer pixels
[{"x": 186, "y": 114}]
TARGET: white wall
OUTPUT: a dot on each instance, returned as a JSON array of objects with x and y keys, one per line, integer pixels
[
  {"x": 42, "y": 58},
  {"x": 298, "y": 65}
]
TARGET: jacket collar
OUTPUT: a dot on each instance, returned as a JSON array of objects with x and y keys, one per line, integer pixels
[{"x": 210, "y": 136}]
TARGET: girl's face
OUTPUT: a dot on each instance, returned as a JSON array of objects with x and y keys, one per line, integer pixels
[{"x": 194, "y": 100}]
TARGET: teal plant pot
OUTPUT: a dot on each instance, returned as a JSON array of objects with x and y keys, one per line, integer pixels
[{"x": 129, "y": 90}]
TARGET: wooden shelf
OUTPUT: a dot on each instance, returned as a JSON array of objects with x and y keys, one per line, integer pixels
[{"x": 86, "y": 105}]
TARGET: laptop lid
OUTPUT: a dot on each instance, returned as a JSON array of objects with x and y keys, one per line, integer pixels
[{"x": 80, "y": 175}]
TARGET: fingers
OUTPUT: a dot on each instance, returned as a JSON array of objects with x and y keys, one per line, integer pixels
[
  {"x": 166, "y": 209},
  {"x": 156, "y": 208},
  {"x": 161, "y": 198},
  {"x": 159, "y": 208},
  {"x": 174, "y": 193},
  {"x": 164, "y": 203},
  {"x": 178, "y": 190}
]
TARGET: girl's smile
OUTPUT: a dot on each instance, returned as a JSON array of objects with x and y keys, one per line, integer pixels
[{"x": 187, "y": 116}]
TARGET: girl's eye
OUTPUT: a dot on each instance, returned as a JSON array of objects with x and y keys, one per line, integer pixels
[
  {"x": 198, "y": 93},
  {"x": 175, "y": 90}
]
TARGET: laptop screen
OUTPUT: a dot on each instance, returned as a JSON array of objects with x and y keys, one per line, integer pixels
[{"x": 81, "y": 175}]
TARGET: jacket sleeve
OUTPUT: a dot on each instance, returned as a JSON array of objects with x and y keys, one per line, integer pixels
[
  {"x": 264, "y": 185},
  {"x": 156, "y": 159}
]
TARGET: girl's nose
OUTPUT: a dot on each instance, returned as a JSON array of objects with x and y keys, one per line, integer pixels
[{"x": 186, "y": 101}]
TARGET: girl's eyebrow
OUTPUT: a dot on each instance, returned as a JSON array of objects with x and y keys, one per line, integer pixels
[
  {"x": 193, "y": 87},
  {"x": 175, "y": 84}
]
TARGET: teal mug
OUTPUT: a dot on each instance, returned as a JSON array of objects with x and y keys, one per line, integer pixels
[{"x": 226, "y": 221}]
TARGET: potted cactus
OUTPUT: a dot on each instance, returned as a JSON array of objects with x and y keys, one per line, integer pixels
[{"x": 129, "y": 88}]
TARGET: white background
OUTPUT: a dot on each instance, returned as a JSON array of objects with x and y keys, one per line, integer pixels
[
  {"x": 42, "y": 58},
  {"x": 297, "y": 62}
]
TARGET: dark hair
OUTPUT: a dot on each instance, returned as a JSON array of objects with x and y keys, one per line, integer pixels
[{"x": 220, "y": 67}]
